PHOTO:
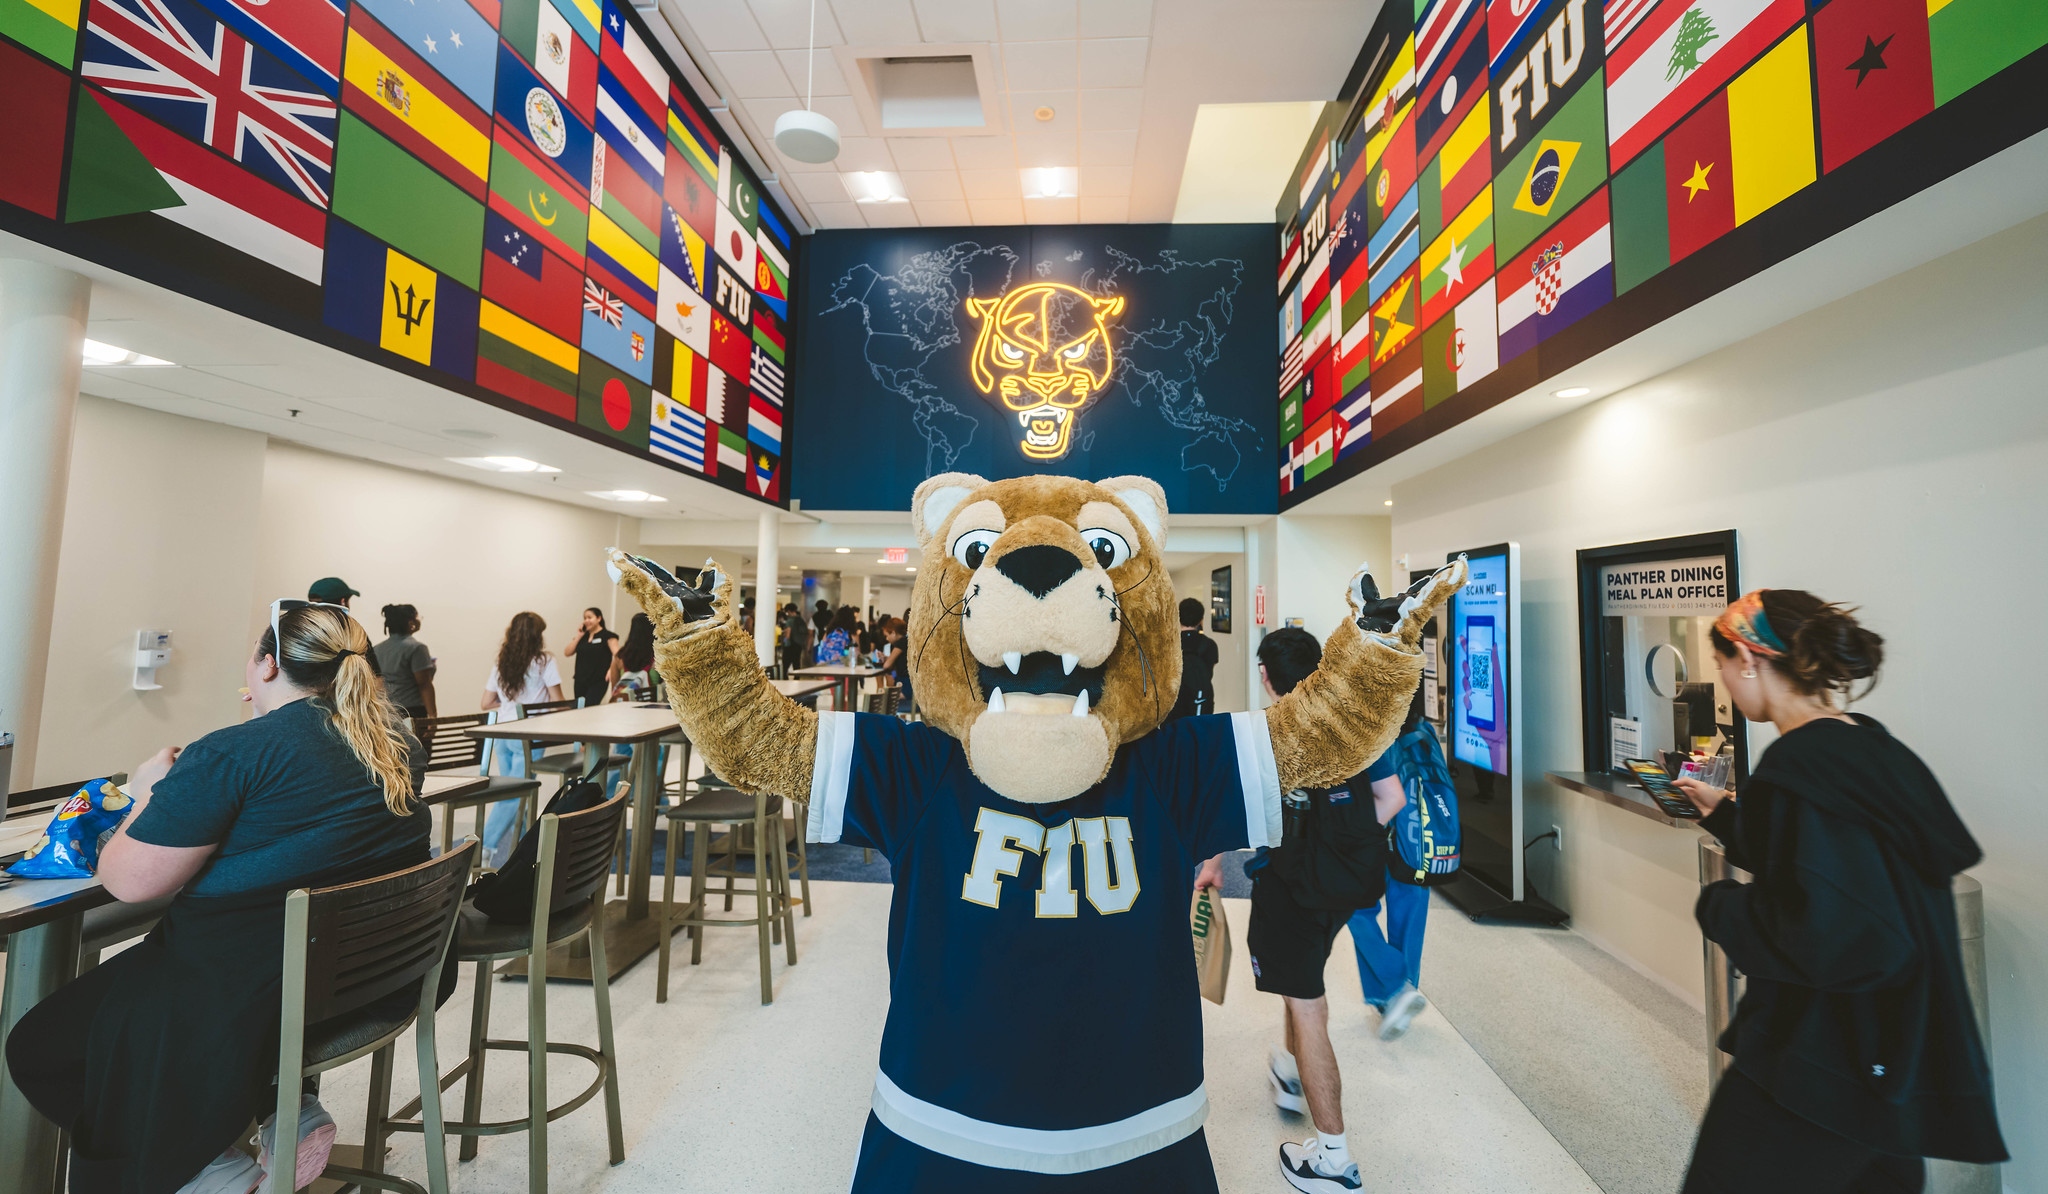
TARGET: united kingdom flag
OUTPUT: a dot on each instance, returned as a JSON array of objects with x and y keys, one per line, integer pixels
[{"x": 177, "y": 62}]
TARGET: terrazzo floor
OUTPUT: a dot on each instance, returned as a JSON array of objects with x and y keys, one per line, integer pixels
[{"x": 1492, "y": 1091}]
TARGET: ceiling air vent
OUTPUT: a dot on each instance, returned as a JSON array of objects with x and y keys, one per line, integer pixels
[{"x": 923, "y": 90}]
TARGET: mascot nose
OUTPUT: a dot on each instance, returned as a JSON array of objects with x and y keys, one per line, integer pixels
[{"x": 1040, "y": 568}]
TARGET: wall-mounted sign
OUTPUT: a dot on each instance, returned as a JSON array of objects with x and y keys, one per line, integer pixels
[
  {"x": 1696, "y": 587},
  {"x": 1259, "y": 605},
  {"x": 895, "y": 555},
  {"x": 1042, "y": 352}
]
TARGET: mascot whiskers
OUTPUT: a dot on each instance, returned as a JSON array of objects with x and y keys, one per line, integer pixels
[{"x": 1044, "y": 827}]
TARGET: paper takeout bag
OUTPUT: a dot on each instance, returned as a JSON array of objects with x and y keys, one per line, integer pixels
[{"x": 1212, "y": 943}]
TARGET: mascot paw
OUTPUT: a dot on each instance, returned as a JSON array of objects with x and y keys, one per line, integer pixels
[
  {"x": 1398, "y": 619},
  {"x": 673, "y": 603}
]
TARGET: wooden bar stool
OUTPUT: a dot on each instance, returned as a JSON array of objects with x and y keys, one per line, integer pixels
[{"x": 718, "y": 804}]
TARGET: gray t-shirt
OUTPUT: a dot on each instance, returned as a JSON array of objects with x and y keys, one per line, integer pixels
[
  {"x": 286, "y": 801},
  {"x": 399, "y": 657}
]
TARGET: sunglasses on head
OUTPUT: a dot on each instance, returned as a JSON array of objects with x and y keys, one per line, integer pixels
[{"x": 284, "y": 605}]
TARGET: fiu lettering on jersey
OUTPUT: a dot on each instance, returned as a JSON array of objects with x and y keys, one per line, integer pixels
[
  {"x": 1528, "y": 86},
  {"x": 999, "y": 845}
]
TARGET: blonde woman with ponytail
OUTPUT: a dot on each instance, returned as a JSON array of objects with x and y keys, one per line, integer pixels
[{"x": 156, "y": 1060}]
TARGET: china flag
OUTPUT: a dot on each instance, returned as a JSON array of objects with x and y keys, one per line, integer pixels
[{"x": 1875, "y": 72}]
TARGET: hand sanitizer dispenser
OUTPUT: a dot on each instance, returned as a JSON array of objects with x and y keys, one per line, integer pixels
[{"x": 152, "y": 651}]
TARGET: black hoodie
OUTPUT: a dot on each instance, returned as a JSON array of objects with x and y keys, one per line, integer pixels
[{"x": 1856, "y": 1015}]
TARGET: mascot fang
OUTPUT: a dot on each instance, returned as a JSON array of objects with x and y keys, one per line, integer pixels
[{"x": 1043, "y": 825}]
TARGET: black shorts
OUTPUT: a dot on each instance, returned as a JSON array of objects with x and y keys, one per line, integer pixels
[{"x": 1290, "y": 944}]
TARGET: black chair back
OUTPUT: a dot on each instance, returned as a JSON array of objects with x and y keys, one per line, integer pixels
[
  {"x": 448, "y": 748},
  {"x": 536, "y": 708},
  {"x": 584, "y": 845},
  {"x": 365, "y": 940}
]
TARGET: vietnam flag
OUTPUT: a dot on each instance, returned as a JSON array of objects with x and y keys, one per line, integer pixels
[
  {"x": 1746, "y": 149},
  {"x": 1875, "y": 70}
]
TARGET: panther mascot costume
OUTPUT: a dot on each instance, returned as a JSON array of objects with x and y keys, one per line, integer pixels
[{"x": 1043, "y": 825}]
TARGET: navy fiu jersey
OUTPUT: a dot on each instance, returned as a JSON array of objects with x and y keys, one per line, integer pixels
[{"x": 1044, "y": 1012}]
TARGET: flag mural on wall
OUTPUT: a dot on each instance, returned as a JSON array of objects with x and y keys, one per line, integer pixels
[
  {"x": 1516, "y": 185},
  {"x": 515, "y": 199}
]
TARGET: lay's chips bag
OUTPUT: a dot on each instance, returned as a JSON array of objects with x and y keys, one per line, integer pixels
[{"x": 70, "y": 847}]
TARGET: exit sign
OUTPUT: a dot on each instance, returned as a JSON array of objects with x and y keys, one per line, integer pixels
[{"x": 895, "y": 555}]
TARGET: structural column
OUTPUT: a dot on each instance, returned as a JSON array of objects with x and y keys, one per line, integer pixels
[
  {"x": 768, "y": 562},
  {"x": 42, "y": 342}
]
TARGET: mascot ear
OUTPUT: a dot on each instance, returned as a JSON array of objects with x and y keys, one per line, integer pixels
[
  {"x": 936, "y": 500},
  {"x": 1146, "y": 501}
]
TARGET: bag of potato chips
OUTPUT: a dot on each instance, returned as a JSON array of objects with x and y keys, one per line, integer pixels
[{"x": 70, "y": 846}]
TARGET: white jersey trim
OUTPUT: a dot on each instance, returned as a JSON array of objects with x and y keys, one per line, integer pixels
[
  {"x": 831, "y": 771},
  {"x": 1037, "y": 1150},
  {"x": 1259, "y": 776}
]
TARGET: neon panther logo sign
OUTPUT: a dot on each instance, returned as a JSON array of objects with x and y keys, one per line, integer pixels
[{"x": 1043, "y": 349}]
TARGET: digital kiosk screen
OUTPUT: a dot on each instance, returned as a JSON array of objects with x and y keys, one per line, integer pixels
[{"x": 1479, "y": 692}]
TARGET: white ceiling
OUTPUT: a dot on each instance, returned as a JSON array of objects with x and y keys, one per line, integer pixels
[{"x": 1124, "y": 79}]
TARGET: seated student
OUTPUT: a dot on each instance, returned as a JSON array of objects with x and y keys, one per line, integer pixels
[
  {"x": 157, "y": 1060},
  {"x": 837, "y": 645}
]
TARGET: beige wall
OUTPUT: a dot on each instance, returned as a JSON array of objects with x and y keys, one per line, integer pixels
[
  {"x": 1233, "y": 649},
  {"x": 160, "y": 532},
  {"x": 1890, "y": 450}
]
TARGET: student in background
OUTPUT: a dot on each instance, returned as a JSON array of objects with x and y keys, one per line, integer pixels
[
  {"x": 407, "y": 665},
  {"x": 1390, "y": 963},
  {"x": 525, "y": 674},
  {"x": 896, "y": 661},
  {"x": 837, "y": 642},
  {"x": 331, "y": 590},
  {"x": 1197, "y": 664},
  {"x": 633, "y": 666},
  {"x": 1856, "y": 1047},
  {"x": 592, "y": 648},
  {"x": 796, "y": 636}
]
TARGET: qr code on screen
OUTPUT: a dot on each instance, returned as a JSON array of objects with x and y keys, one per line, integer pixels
[{"x": 1482, "y": 672}]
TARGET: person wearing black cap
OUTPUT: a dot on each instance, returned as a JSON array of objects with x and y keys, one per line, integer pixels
[{"x": 331, "y": 590}]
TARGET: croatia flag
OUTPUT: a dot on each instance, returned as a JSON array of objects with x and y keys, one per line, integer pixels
[{"x": 1565, "y": 274}]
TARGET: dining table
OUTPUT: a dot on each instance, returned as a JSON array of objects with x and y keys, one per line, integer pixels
[
  {"x": 41, "y": 920},
  {"x": 845, "y": 677}
]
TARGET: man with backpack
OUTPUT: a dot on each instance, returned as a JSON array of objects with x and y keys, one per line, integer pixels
[
  {"x": 1331, "y": 862},
  {"x": 1423, "y": 852}
]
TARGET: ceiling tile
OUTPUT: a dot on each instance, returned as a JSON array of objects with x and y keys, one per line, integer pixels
[
  {"x": 1105, "y": 209},
  {"x": 921, "y": 153},
  {"x": 828, "y": 81},
  {"x": 942, "y": 213},
  {"x": 753, "y": 74},
  {"x": 838, "y": 215},
  {"x": 843, "y": 113},
  {"x": 1113, "y": 61},
  {"x": 876, "y": 22},
  {"x": 1040, "y": 65},
  {"x": 786, "y": 165},
  {"x": 820, "y": 188},
  {"x": 722, "y": 25},
  {"x": 931, "y": 184},
  {"x": 1112, "y": 107},
  {"x": 956, "y": 20},
  {"x": 1116, "y": 18},
  {"x": 1105, "y": 180},
  {"x": 991, "y": 184},
  {"x": 985, "y": 153},
  {"x": 1045, "y": 149},
  {"x": 997, "y": 211},
  {"x": 1051, "y": 211},
  {"x": 764, "y": 111},
  {"x": 1109, "y": 147},
  {"x": 889, "y": 215},
  {"x": 863, "y": 153},
  {"x": 787, "y": 23},
  {"x": 1024, "y": 107},
  {"x": 1036, "y": 20}
]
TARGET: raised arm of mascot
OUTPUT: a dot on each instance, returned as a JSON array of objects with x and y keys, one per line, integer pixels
[{"x": 1042, "y": 636}]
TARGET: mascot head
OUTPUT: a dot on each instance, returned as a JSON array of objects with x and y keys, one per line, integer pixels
[
  {"x": 1043, "y": 348},
  {"x": 1042, "y": 625}
]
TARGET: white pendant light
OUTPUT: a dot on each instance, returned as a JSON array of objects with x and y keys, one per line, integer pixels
[{"x": 802, "y": 134}]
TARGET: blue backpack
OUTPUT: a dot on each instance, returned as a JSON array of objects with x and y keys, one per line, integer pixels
[{"x": 1422, "y": 843}]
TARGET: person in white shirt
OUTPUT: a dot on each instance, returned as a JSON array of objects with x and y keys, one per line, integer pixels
[{"x": 525, "y": 658}]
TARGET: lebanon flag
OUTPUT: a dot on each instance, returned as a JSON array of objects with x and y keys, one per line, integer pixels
[
  {"x": 1680, "y": 55},
  {"x": 1565, "y": 274}
]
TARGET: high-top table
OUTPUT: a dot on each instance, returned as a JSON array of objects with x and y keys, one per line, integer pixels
[
  {"x": 41, "y": 919},
  {"x": 846, "y": 676},
  {"x": 631, "y": 931},
  {"x": 803, "y": 692}
]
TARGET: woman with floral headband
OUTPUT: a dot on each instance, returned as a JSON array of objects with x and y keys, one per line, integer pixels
[{"x": 1856, "y": 1050}]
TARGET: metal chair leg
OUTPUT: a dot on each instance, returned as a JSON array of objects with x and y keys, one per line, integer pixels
[
  {"x": 473, "y": 1081},
  {"x": 782, "y": 889},
  {"x": 374, "y": 1133},
  {"x": 668, "y": 915},
  {"x": 601, "y": 989},
  {"x": 803, "y": 860},
  {"x": 537, "y": 1065},
  {"x": 761, "y": 900},
  {"x": 435, "y": 1138},
  {"x": 700, "y": 860}
]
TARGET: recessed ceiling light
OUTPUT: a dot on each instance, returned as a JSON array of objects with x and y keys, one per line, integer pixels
[
  {"x": 910, "y": 569},
  {"x": 1042, "y": 113},
  {"x": 1574, "y": 391},
  {"x": 843, "y": 550},
  {"x": 504, "y": 464},
  {"x": 874, "y": 186},
  {"x": 1389, "y": 501},
  {"x": 625, "y": 495},
  {"x": 1050, "y": 182},
  {"x": 97, "y": 353}
]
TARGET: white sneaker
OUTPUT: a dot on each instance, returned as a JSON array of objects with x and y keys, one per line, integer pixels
[
  {"x": 1305, "y": 1168},
  {"x": 1286, "y": 1093},
  {"x": 316, "y": 1141},
  {"x": 1400, "y": 1012},
  {"x": 232, "y": 1172}
]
